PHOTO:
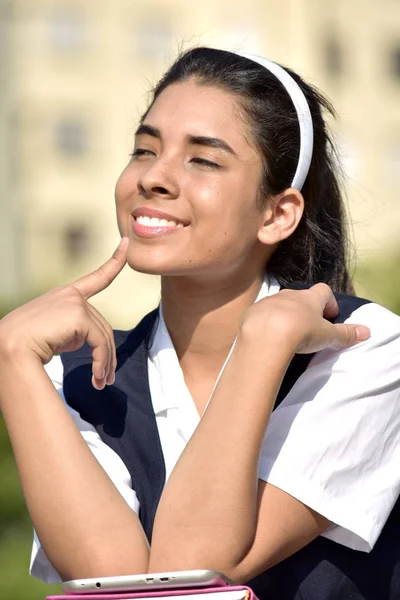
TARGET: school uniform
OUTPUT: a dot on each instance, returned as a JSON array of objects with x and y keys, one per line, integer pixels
[{"x": 332, "y": 442}]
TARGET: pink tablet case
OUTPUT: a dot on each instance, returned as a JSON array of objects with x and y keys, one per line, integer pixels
[{"x": 155, "y": 594}]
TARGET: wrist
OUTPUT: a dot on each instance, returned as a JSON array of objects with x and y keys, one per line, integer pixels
[
  {"x": 16, "y": 362},
  {"x": 269, "y": 340},
  {"x": 264, "y": 356},
  {"x": 19, "y": 374},
  {"x": 12, "y": 351}
]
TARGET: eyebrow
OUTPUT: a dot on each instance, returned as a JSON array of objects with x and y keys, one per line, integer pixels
[
  {"x": 210, "y": 142},
  {"x": 197, "y": 140},
  {"x": 148, "y": 130}
]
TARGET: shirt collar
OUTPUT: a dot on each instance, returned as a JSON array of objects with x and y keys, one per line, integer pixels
[{"x": 164, "y": 359}]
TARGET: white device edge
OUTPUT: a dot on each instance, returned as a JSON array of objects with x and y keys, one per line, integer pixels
[{"x": 147, "y": 581}]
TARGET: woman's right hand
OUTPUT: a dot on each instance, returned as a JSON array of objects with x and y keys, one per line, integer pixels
[{"x": 62, "y": 320}]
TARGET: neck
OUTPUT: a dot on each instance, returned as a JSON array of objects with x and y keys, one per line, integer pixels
[{"x": 203, "y": 319}]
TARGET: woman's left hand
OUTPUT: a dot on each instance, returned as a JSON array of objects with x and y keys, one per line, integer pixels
[{"x": 300, "y": 318}]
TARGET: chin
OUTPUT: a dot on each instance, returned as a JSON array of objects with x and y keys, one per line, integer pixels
[
  {"x": 144, "y": 268},
  {"x": 150, "y": 263}
]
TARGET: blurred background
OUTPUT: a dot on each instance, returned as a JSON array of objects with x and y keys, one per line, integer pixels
[{"x": 74, "y": 79}]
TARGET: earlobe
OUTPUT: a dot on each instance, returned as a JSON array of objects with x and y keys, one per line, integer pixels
[{"x": 281, "y": 217}]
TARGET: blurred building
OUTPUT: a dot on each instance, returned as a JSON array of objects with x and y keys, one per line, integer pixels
[{"x": 74, "y": 78}]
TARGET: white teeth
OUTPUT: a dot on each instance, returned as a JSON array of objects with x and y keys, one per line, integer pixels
[
  {"x": 143, "y": 220},
  {"x": 154, "y": 222}
]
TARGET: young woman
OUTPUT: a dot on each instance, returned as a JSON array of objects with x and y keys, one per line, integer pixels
[{"x": 251, "y": 424}]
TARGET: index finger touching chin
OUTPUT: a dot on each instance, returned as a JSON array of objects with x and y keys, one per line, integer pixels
[{"x": 98, "y": 280}]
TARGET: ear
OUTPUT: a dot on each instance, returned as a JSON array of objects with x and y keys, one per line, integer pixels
[{"x": 281, "y": 217}]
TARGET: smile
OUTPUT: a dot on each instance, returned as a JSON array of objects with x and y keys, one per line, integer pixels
[
  {"x": 154, "y": 222},
  {"x": 152, "y": 227}
]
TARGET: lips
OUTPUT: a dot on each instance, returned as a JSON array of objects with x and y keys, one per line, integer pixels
[{"x": 150, "y": 223}]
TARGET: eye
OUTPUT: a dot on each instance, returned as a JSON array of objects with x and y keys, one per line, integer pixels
[
  {"x": 138, "y": 152},
  {"x": 206, "y": 163}
]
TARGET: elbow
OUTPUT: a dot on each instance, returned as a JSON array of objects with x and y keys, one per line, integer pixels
[
  {"x": 96, "y": 570},
  {"x": 102, "y": 564},
  {"x": 234, "y": 573},
  {"x": 197, "y": 552}
]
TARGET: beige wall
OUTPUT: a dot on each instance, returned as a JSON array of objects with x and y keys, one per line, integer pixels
[{"x": 98, "y": 73}]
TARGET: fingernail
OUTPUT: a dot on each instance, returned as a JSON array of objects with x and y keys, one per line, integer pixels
[
  {"x": 363, "y": 333},
  {"x": 96, "y": 385}
]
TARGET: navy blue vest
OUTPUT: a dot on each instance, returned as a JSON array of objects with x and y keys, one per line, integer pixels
[{"x": 124, "y": 418}]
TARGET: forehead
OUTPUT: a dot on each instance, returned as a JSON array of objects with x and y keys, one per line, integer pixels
[{"x": 193, "y": 108}]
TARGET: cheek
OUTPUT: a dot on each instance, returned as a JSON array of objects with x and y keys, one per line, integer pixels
[
  {"x": 229, "y": 209},
  {"x": 123, "y": 199},
  {"x": 122, "y": 187},
  {"x": 229, "y": 225}
]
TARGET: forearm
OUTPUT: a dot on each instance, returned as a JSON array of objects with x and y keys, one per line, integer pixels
[
  {"x": 85, "y": 526},
  {"x": 208, "y": 511}
]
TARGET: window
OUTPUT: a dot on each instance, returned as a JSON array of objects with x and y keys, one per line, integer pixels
[
  {"x": 333, "y": 56},
  {"x": 76, "y": 240},
  {"x": 71, "y": 137},
  {"x": 67, "y": 31},
  {"x": 395, "y": 62}
]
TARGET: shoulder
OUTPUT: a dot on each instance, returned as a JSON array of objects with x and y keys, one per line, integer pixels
[
  {"x": 385, "y": 335},
  {"x": 368, "y": 365},
  {"x": 367, "y": 310},
  {"x": 384, "y": 326},
  {"x": 348, "y": 305},
  {"x": 383, "y": 323},
  {"x": 332, "y": 378},
  {"x": 364, "y": 378}
]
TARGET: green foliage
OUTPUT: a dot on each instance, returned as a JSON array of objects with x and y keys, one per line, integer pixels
[
  {"x": 380, "y": 281},
  {"x": 15, "y": 534},
  {"x": 15, "y": 582},
  {"x": 11, "y": 498}
]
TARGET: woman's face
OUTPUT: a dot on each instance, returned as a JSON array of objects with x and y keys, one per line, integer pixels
[{"x": 188, "y": 197}]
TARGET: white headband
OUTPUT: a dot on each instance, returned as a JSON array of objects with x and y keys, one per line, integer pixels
[{"x": 303, "y": 114}]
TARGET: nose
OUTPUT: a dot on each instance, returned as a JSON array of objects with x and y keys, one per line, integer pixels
[{"x": 158, "y": 180}]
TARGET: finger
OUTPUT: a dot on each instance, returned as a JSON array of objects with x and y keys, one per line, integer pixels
[
  {"x": 329, "y": 305},
  {"x": 110, "y": 378},
  {"x": 95, "y": 282},
  {"x": 346, "y": 335},
  {"x": 108, "y": 359},
  {"x": 97, "y": 340},
  {"x": 109, "y": 334}
]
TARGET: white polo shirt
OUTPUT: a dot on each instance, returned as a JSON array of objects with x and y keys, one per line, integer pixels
[{"x": 333, "y": 443}]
